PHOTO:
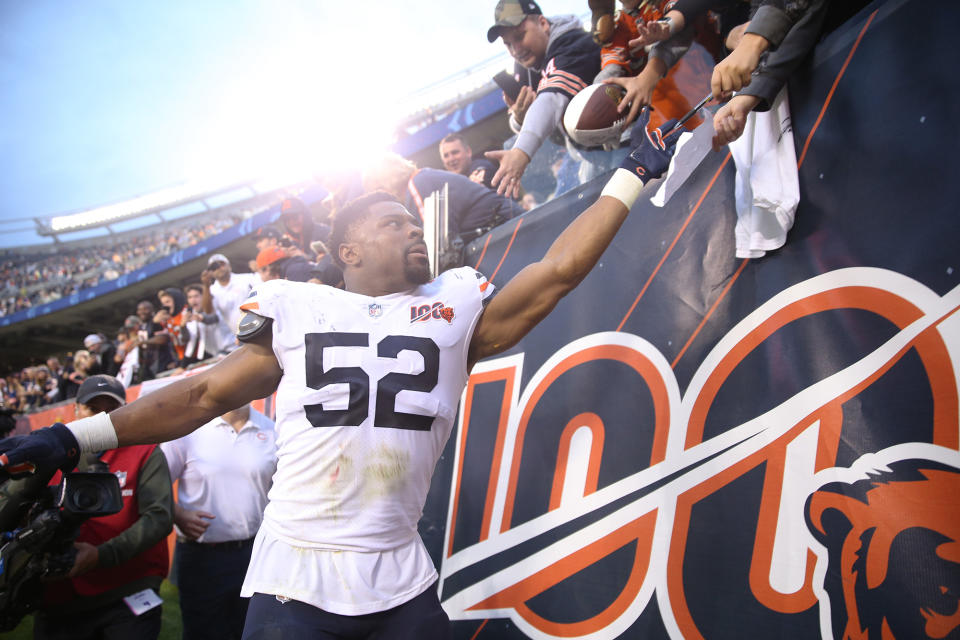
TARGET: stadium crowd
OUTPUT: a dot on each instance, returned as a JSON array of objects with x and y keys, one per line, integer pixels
[
  {"x": 30, "y": 279},
  {"x": 180, "y": 328}
]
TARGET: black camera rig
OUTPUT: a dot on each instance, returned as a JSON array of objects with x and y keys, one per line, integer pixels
[{"x": 38, "y": 524}]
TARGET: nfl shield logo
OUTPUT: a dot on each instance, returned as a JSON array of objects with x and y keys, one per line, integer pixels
[{"x": 375, "y": 310}]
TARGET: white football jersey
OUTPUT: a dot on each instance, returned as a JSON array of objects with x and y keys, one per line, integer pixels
[{"x": 366, "y": 403}]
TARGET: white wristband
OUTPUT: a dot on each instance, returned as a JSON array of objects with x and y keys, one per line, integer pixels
[
  {"x": 624, "y": 186},
  {"x": 95, "y": 433}
]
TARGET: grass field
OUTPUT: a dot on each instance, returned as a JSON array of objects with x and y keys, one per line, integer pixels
[{"x": 169, "y": 631}]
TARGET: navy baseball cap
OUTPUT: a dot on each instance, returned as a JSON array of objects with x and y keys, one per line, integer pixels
[
  {"x": 268, "y": 232},
  {"x": 510, "y": 13},
  {"x": 101, "y": 385}
]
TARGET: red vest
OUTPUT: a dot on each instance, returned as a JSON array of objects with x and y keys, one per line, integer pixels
[{"x": 125, "y": 463}]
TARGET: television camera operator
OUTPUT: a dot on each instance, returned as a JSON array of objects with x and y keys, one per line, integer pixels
[{"x": 111, "y": 587}]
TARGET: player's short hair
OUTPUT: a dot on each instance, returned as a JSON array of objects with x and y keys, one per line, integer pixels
[{"x": 352, "y": 213}]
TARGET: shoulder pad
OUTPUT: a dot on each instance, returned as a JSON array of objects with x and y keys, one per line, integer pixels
[{"x": 251, "y": 326}]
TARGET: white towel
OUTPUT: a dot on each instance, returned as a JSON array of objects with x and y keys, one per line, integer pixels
[{"x": 767, "y": 187}]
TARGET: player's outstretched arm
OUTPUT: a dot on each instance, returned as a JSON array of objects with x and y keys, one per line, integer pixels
[
  {"x": 250, "y": 372},
  {"x": 527, "y": 298}
]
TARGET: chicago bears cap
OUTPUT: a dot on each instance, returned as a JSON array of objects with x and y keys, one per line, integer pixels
[
  {"x": 101, "y": 385},
  {"x": 510, "y": 13},
  {"x": 268, "y": 232}
]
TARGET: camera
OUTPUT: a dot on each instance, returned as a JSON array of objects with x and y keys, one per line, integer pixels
[{"x": 38, "y": 524}]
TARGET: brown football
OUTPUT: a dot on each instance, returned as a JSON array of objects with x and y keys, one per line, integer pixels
[{"x": 591, "y": 118}]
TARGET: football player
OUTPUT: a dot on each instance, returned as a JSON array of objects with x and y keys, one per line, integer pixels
[{"x": 367, "y": 380}]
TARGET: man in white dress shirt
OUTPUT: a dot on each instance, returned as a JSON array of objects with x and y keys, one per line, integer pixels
[{"x": 225, "y": 469}]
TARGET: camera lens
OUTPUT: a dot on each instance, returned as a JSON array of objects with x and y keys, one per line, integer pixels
[{"x": 87, "y": 497}]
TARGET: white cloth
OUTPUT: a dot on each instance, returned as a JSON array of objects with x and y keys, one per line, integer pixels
[
  {"x": 226, "y": 473},
  {"x": 130, "y": 365},
  {"x": 767, "y": 186},
  {"x": 366, "y": 403},
  {"x": 226, "y": 302}
]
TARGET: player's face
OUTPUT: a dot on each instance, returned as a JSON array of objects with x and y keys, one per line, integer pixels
[
  {"x": 390, "y": 242},
  {"x": 455, "y": 156},
  {"x": 527, "y": 42}
]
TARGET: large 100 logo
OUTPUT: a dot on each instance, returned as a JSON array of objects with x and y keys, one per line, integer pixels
[{"x": 597, "y": 502}]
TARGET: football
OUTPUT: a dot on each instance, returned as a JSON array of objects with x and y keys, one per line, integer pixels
[{"x": 591, "y": 118}]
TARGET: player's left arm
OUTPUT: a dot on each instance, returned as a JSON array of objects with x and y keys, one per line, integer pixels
[{"x": 527, "y": 298}]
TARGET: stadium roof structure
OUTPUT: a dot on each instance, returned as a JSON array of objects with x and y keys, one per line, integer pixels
[{"x": 153, "y": 203}]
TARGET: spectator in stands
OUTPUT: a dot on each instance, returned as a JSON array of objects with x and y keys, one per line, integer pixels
[
  {"x": 473, "y": 208},
  {"x": 201, "y": 327},
  {"x": 13, "y": 392},
  {"x": 266, "y": 236},
  {"x": 528, "y": 201},
  {"x": 297, "y": 223},
  {"x": 174, "y": 302},
  {"x": 40, "y": 389},
  {"x": 270, "y": 263},
  {"x": 635, "y": 69},
  {"x": 104, "y": 354},
  {"x": 225, "y": 469},
  {"x": 156, "y": 355},
  {"x": 772, "y": 73},
  {"x": 769, "y": 24},
  {"x": 223, "y": 293},
  {"x": 57, "y": 372},
  {"x": 555, "y": 59},
  {"x": 118, "y": 555},
  {"x": 79, "y": 371},
  {"x": 457, "y": 157},
  {"x": 129, "y": 339}
]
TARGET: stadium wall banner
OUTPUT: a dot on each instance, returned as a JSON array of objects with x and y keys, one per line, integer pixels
[{"x": 696, "y": 446}]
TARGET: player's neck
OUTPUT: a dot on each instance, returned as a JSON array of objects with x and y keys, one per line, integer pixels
[{"x": 374, "y": 287}]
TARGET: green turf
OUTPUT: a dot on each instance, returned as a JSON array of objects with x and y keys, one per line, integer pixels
[{"x": 171, "y": 629}]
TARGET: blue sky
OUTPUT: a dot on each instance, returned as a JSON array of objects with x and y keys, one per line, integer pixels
[{"x": 108, "y": 99}]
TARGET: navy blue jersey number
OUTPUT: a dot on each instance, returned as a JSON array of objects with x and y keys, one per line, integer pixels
[{"x": 359, "y": 382}]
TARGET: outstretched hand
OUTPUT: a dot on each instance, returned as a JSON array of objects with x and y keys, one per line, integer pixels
[
  {"x": 730, "y": 120},
  {"x": 650, "y": 33},
  {"x": 42, "y": 452},
  {"x": 512, "y": 165},
  {"x": 639, "y": 93}
]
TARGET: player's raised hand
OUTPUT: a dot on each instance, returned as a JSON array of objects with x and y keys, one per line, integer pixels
[
  {"x": 653, "y": 149},
  {"x": 41, "y": 452}
]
